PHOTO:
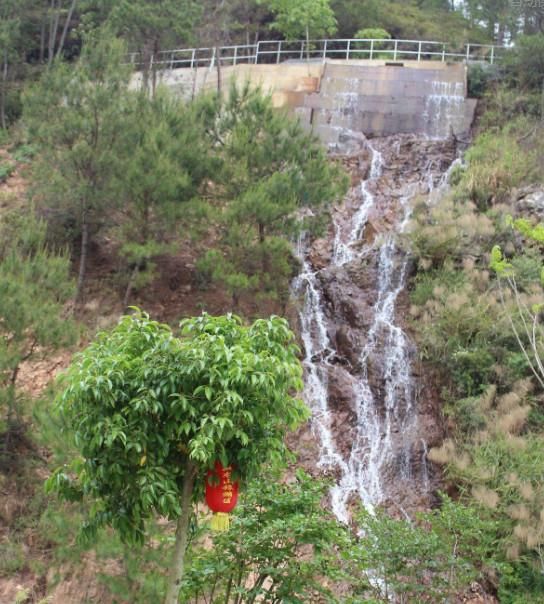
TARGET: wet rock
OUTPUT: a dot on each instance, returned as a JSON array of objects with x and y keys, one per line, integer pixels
[
  {"x": 370, "y": 232},
  {"x": 320, "y": 253},
  {"x": 341, "y": 389},
  {"x": 345, "y": 345}
]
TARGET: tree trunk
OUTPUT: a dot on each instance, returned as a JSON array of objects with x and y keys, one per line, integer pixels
[
  {"x": 130, "y": 285},
  {"x": 178, "y": 560},
  {"x": 66, "y": 27},
  {"x": 53, "y": 28},
  {"x": 42, "y": 38},
  {"x": 154, "y": 59},
  {"x": 3, "y": 118},
  {"x": 82, "y": 259}
]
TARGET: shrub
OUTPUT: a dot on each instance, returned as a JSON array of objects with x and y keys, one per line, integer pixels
[
  {"x": 372, "y": 33},
  {"x": 496, "y": 164},
  {"x": 480, "y": 77},
  {"x": 6, "y": 170}
]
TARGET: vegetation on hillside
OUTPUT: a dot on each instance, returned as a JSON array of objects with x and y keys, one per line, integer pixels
[
  {"x": 477, "y": 299},
  {"x": 145, "y": 411}
]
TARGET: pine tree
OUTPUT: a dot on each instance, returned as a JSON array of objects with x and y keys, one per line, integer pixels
[
  {"x": 166, "y": 161},
  {"x": 276, "y": 180},
  {"x": 85, "y": 123}
]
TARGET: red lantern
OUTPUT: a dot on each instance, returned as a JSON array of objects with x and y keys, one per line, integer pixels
[{"x": 221, "y": 495}]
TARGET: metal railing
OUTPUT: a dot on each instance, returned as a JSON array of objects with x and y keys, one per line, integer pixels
[{"x": 278, "y": 51}]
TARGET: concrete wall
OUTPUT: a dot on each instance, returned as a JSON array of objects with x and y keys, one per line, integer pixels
[
  {"x": 337, "y": 98},
  {"x": 390, "y": 99},
  {"x": 288, "y": 83}
]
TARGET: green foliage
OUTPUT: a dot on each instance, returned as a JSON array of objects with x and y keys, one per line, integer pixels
[
  {"x": 34, "y": 286},
  {"x": 6, "y": 170},
  {"x": 449, "y": 231},
  {"x": 24, "y": 153},
  {"x": 524, "y": 66},
  {"x": 165, "y": 162},
  {"x": 87, "y": 105},
  {"x": 408, "y": 20},
  {"x": 148, "y": 25},
  {"x": 496, "y": 164},
  {"x": 272, "y": 174},
  {"x": 436, "y": 558},
  {"x": 261, "y": 557},
  {"x": 303, "y": 18},
  {"x": 480, "y": 77},
  {"x": 12, "y": 558},
  {"x": 146, "y": 405},
  {"x": 372, "y": 33}
]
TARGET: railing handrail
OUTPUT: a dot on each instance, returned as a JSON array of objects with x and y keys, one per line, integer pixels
[{"x": 322, "y": 49}]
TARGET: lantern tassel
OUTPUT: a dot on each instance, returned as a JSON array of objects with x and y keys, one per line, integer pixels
[{"x": 220, "y": 522}]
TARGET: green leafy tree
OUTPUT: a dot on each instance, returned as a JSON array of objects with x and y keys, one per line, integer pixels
[
  {"x": 283, "y": 546},
  {"x": 499, "y": 17},
  {"x": 152, "y": 412},
  {"x": 410, "y": 20},
  {"x": 376, "y": 33},
  {"x": 303, "y": 18},
  {"x": 60, "y": 15},
  {"x": 34, "y": 286},
  {"x": 87, "y": 105}
]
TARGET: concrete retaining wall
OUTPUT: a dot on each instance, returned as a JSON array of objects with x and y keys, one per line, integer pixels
[{"x": 339, "y": 97}]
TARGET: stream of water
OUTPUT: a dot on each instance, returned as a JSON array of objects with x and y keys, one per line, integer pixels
[{"x": 384, "y": 433}]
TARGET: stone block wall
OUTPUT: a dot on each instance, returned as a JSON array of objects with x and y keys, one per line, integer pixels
[{"x": 339, "y": 98}]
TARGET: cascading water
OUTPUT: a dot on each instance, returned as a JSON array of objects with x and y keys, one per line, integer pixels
[
  {"x": 380, "y": 451},
  {"x": 443, "y": 107}
]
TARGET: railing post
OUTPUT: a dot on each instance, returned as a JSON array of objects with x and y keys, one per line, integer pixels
[
  {"x": 301, "y": 50},
  {"x": 492, "y": 55},
  {"x": 371, "y": 49},
  {"x": 278, "y": 56},
  {"x": 443, "y": 53},
  {"x": 419, "y": 51},
  {"x": 468, "y": 53},
  {"x": 324, "y": 51},
  {"x": 257, "y": 52},
  {"x": 212, "y": 61},
  {"x": 395, "y": 51},
  {"x": 348, "y": 49},
  {"x": 235, "y": 55},
  {"x": 193, "y": 54}
]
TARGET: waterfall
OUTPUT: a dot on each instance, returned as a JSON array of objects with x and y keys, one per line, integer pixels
[{"x": 386, "y": 450}]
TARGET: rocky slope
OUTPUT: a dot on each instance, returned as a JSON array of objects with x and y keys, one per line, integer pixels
[{"x": 374, "y": 412}]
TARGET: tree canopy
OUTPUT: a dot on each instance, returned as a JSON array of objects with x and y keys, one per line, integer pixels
[{"x": 152, "y": 412}]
